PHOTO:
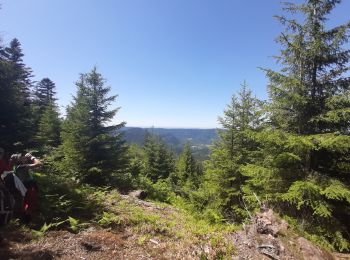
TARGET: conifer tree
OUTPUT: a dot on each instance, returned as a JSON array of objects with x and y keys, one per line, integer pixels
[
  {"x": 221, "y": 189},
  {"x": 159, "y": 158},
  {"x": 186, "y": 165},
  {"x": 44, "y": 96},
  {"x": 49, "y": 128},
  {"x": 15, "y": 103},
  {"x": 45, "y": 92},
  {"x": 45, "y": 113},
  {"x": 186, "y": 177},
  {"x": 94, "y": 151},
  {"x": 308, "y": 95},
  {"x": 7, "y": 95},
  {"x": 303, "y": 160}
]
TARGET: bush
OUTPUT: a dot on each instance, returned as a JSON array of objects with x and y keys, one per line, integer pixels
[{"x": 160, "y": 190}]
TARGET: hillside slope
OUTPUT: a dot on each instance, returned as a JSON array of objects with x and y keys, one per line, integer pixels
[{"x": 129, "y": 228}]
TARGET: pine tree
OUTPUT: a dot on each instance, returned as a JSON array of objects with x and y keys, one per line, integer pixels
[
  {"x": 94, "y": 151},
  {"x": 45, "y": 113},
  {"x": 303, "y": 160},
  {"x": 186, "y": 177},
  {"x": 159, "y": 159},
  {"x": 221, "y": 189},
  {"x": 309, "y": 94},
  {"x": 44, "y": 96},
  {"x": 49, "y": 127},
  {"x": 186, "y": 165},
  {"x": 15, "y": 103},
  {"x": 7, "y": 95},
  {"x": 45, "y": 92}
]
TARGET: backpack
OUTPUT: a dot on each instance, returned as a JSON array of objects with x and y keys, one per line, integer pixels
[{"x": 7, "y": 203}]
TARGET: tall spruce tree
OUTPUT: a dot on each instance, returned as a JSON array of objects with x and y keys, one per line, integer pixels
[
  {"x": 310, "y": 94},
  {"x": 45, "y": 113},
  {"x": 94, "y": 151},
  {"x": 49, "y": 127},
  {"x": 44, "y": 96},
  {"x": 15, "y": 103},
  {"x": 221, "y": 189},
  {"x": 45, "y": 92},
  {"x": 7, "y": 98},
  {"x": 304, "y": 162},
  {"x": 159, "y": 159},
  {"x": 186, "y": 165},
  {"x": 187, "y": 175}
]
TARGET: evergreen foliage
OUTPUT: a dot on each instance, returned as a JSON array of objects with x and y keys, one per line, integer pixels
[
  {"x": 293, "y": 153},
  {"x": 188, "y": 173},
  {"x": 92, "y": 153},
  {"x": 313, "y": 189},
  {"x": 15, "y": 104},
  {"x": 44, "y": 94},
  {"x": 309, "y": 94},
  {"x": 303, "y": 160},
  {"x": 159, "y": 159},
  {"x": 45, "y": 114},
  {"x": 221, "y": 189},
  {"x": 49, "y": 128},
  {"x": 43, "y": 97}
]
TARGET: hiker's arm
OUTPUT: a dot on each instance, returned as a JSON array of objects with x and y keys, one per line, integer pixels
[{"x": 36, "y": 163}]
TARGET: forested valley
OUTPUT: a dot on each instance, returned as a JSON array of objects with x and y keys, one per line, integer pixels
[{"x": 289, "y": 153}]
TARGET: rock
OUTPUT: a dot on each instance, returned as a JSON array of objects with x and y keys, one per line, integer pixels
[
  {"x": 283, "y": 227},
  {"x": 340, "y": 256},
  {"x": 268, "y": 223},
  {"x": 206, "y": 249},
  {"x": 154, "y": 241},
  {"x": 90, "y": 246},
  {"x": 311, "y": 252},
  {"x": 140, "y": 194},
  {"x": 91, "y": 229},
  {"x": 269, "y": 250}
]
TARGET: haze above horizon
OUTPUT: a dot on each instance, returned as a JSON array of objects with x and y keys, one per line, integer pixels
[{"x": 174, "y": 64}]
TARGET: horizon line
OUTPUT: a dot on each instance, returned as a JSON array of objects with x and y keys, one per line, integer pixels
[{"x": 163, "y": 127}]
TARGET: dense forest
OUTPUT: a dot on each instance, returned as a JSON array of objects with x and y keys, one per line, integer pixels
[
  {"x": 290, "y": 152},
  {"x": 175, "y": 138}
]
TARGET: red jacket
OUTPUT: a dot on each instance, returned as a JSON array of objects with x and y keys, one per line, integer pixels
[{"x": 4, "y": 166}]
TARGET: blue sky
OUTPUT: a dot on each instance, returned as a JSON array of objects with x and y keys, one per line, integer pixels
[{"x": 173, "y": 63}]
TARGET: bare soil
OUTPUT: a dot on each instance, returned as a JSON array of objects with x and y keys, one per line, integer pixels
[{"x": 267, "y": 237}]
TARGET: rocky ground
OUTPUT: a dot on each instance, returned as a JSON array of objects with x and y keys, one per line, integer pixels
[{"x": 136, "y": 229}]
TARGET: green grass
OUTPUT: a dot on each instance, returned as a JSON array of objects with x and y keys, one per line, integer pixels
[{"x": 65, "y": 204}]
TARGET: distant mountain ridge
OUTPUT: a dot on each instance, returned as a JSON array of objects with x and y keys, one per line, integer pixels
[
  {"x": 173, "y": 136},
  {"x": 200, "y": 139}
]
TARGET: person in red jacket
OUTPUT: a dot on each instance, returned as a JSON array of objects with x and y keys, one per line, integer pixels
[
  {"x": 21, "y": 166},
  {"x": 4, "y": 165},
  {"x": 7, "y": 199}
]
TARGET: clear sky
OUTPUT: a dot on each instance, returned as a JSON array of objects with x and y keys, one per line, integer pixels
[{"x": 173, "y": 63}]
